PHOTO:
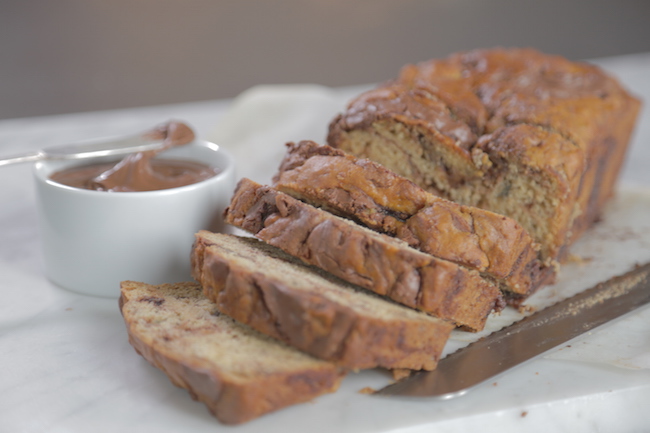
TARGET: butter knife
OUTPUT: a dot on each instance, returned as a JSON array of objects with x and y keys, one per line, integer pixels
[{"x": 529, "y": 338}]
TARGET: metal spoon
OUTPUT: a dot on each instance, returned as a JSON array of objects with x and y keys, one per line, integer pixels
[{"x": 150, "y": 140}]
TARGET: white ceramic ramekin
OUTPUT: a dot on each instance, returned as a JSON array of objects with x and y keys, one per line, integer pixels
[{"x": 92, "y": 240}]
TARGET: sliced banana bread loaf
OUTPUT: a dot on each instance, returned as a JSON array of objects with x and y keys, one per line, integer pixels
[
  {"x": 238, "y": 373},
  {"x": 371, "y": 194},
  {"x": 372, "y": 260},
  {"x": 532, "y": 136}
]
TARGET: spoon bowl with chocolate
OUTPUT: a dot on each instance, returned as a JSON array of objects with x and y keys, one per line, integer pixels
[
  {"x": 104, "y": 221},
  {"x": 142, "y": 171}
]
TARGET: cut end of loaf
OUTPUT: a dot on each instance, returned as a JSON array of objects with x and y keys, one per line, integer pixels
[{"x": 529, "y": 196}]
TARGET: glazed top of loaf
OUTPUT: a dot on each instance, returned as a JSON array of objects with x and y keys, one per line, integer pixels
[{"x": 474, "y": 93}]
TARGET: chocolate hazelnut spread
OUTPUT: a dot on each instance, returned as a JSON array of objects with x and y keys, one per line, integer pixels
[{"x": 141, "y": 171}]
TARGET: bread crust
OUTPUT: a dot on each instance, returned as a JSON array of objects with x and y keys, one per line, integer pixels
[
  {"x": 528, "y": 135},
  {"x": 374, "y": 261},
  {"x": 371, "y": 194},
  {"x": 231, "y": 399}
]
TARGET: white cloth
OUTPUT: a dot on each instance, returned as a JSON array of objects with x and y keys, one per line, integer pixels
[{"x": 264, "y": 118}]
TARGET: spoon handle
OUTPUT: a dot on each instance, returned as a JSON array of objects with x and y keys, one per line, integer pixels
[
  {"x": 171, "y": 133},
  {"x": 23, "y": 157},
  {"x": 89, "y": 149}
]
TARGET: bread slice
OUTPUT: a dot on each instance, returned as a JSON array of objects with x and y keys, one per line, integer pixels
[
  {"x": 238, "y": 373},
  {"x": 371, "y": 194},
  {"x": 372, "y": 260},
  {"x": 277, "y": 294},
  {"x": 533, "y": 136}
]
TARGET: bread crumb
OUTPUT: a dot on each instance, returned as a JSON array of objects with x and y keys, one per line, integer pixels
[
  {"x": 367, "y": 390},
  {"x": 525, "y": 309},
  {"x": 401, "y": 373},
  {"x": 524, "y": 413},
  {"x": 573, "y": 258}
]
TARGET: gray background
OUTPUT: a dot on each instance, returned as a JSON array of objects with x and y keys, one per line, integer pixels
[{"x": 79, "y": 55}]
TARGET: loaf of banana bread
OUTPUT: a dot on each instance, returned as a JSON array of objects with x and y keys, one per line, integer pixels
[{"x": 531, "y": 136}]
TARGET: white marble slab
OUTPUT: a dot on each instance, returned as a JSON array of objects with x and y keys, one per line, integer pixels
[{"x": 66, "y": 365}]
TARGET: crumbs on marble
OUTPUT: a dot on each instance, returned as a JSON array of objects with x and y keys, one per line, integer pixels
[
  {"x": 68, "y": 309},
  {"x": 400, "y": 373},
  {"x": 367, "y": 390},
  {"x": 525, "y": 309},
  {"x": 524, "y": 413},
  {"x": 495, "y": 384},
  {"x": 579, "y": 260}
]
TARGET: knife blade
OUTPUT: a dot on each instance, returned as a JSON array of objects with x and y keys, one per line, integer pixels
[{"x": 529, "y": 338}]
